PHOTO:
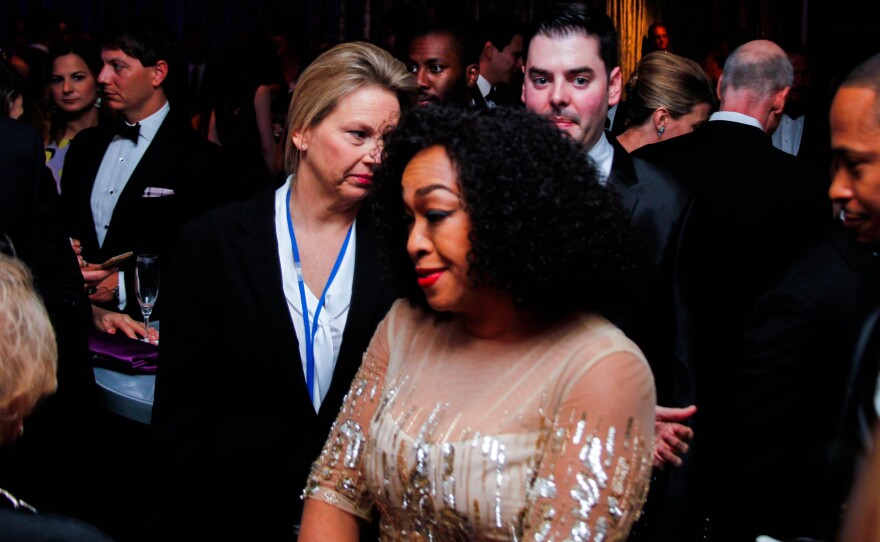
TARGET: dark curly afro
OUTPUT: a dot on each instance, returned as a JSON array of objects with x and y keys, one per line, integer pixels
[{"x": 543, "y": 229}]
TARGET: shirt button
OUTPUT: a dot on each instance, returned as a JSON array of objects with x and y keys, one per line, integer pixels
[
  {"x": 106, "y": 226},
  {"x": 111, "y": 192}
]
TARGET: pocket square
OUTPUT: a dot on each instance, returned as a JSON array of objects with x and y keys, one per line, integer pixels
[{"x": 157, "y": 192}]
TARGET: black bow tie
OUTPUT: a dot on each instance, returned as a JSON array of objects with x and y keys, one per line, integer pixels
[{"x": 127, "y": 131}]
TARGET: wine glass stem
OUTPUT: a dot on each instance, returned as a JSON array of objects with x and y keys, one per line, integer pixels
[{"x": 147, "y": 326}]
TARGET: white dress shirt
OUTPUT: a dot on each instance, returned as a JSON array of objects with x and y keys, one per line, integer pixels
[
  {"x": 331, "y": 322},
  {"x": 484, "y": 86},
  {"x": 787, "y": 136},
  {"x": 602, "y": 154},
  {"x": 120, "y": 160}
]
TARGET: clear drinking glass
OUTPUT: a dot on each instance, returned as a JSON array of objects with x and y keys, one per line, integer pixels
[{"x": 146, "y": 284}]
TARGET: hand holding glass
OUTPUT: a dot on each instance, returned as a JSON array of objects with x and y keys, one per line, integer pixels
[{"x": 146, "y": 284}]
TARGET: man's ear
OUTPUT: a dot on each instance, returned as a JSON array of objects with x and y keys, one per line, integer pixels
[
  {"x": 614, "y": 87},
  {"x": 160, "y": 72},
  {"x": 12, "y": 418},
  {"x": 471, "y": 73},
  {"x": 779, "y": 100},
  {"x": 488, "y": 51}
]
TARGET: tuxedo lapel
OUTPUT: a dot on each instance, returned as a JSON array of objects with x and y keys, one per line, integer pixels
[
  {"x": 623, "y": 177},
  {"x": 146, "y": 174}
]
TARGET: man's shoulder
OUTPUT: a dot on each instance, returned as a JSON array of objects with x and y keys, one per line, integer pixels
[
  {"x": 90, "y": 138},
  {"x": 10, "y": 127},
  {"x": 670, "y": 152},
  {"x": 660, "y": 176},
  {"x": 17, "y": 139},
  {"x": 176, "y": 135},
  {"x": 232, "y": 216},
  {"x": 176, "y": 127}
]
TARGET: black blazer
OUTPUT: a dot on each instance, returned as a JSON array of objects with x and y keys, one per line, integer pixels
[
  {"x": 29, "y": 217},
  {"x": 237, "y": 429},
  {"x": 798, "y": 356},
  {"x": 658, "y": 206},
  {"x": 178, "y": 159},
  {"x": 755, "y": 210}
]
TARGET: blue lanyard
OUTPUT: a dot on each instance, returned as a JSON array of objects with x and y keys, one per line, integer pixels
[{"x": 311, "y": 329}]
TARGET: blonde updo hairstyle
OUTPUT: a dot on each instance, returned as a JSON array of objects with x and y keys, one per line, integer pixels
[
  {"x": 334, "y": 75},
  {"x": 663, "y": 79},
  {"x": 28, "y": 352}
]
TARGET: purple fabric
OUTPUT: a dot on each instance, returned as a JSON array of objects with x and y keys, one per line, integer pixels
[{"x": 119, "y": 353}]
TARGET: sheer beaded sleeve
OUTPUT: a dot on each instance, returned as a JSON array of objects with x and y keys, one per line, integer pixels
[
  {"x": 595, "y": 461},
  {"x": 338, "y": 476},
  {"x": 457, "y": 438}
]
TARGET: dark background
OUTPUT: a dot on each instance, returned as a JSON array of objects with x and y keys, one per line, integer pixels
[{"x": 838, "y": 33}]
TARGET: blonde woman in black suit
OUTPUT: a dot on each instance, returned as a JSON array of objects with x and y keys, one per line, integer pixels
[{"x": 250, "y": 382}]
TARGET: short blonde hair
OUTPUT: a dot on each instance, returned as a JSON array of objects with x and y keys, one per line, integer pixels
[
  {"x": 28, "y": 352},
  {"x": 337, "y": 73}
]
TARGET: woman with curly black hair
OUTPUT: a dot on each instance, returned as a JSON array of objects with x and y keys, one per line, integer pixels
[{"x": 494, "y": 402}]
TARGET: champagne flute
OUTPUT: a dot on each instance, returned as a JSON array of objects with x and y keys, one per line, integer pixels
[{"x": 146, "y": 285}]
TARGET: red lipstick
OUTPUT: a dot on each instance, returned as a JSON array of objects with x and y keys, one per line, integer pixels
[
  {"x": 427, "y": 277},
  {"x": 364, "y": 180}
]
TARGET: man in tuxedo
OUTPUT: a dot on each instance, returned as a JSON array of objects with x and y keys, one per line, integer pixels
[
  {"x": 131, "y": 185},
  {"x": 445, "y": 62},
  {"x": 501, "y": 59},
  {"x": 572, "y": 77},
  {"x": 803, "y": 126},
  {"x": 755, "y": 210}
]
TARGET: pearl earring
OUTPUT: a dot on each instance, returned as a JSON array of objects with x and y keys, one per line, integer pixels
[{"x": 660, "y": 131}]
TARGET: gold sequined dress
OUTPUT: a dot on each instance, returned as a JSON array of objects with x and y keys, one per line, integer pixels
[{"x": 455, "y": 438}]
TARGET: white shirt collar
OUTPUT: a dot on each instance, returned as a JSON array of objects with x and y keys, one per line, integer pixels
[
  {"x": 334, "y": 314},
  {"x": 602, "y": 154},
  {"x": 733, "y": 116},
  {"x": 485, "y": 86},
  {"x": 151, "y": 124}
]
